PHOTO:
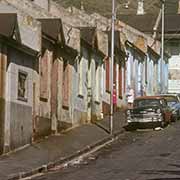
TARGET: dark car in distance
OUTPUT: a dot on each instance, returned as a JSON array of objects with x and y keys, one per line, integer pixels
[
  {"x": 173, "y": 100},
  {"x": 149, "y": 111}
]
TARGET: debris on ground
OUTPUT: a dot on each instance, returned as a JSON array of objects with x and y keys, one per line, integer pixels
[{"x": 158, "y": 128}]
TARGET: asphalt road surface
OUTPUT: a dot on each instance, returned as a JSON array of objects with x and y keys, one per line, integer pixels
[{"x": 140, "y": 155}]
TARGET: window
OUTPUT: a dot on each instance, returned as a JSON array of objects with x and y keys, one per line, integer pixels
[
  {"x": 97, "y": 82},
  {"x": 66, "y": 83},
  {"x": 107, "y": 64},
  {"x": 80, "y": 72},
  {"x": 120, "y": 81},
  {"x": 44, "y": 75},
  {"x": 22, "y": 85}
]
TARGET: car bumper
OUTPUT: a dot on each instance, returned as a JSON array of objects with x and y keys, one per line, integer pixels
[
  {"x": 144, "y": 120},
  {"x": 145, "y": 124}
]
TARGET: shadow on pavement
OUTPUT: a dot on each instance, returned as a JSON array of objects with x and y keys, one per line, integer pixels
[
  {"x": 174, "y": 165},
  {"x": 165, "y": 179},
  {"x": 169, "y": 172}
]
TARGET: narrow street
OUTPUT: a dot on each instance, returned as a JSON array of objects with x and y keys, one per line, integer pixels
[{"x": 140, "y": 155}]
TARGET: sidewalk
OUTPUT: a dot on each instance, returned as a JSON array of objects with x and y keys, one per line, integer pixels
[{"x": 57, "y": 149}]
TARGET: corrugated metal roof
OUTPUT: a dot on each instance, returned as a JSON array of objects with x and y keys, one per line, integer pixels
[{"x": 8, "y": 22}]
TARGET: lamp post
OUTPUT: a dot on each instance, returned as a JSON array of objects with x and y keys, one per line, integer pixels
[
  {"x": 112, "y": 65},
  {"x": 162, "y": 42}
]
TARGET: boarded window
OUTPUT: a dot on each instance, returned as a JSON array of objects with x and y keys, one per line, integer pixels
[
  {"x": 80, "y": 77},
  {"x": 44, "y": 76},
  {"x": 120, "y": 81},
  {"x": 66, "y": 83},
  {"x": 107, "y": 64},
  {"x": 97, "y": 82},
  {"x": 125, "y": 69},
  {"x": 22, "y": 85},
  {"x": 114, "y": 73}
]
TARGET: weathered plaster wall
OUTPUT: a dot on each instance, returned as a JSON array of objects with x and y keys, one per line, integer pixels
[
  {"x": 80, "y": 96},
  {"x": 96, "y": 73},
  {"x": 42, "y": 3},
  {"x": 3, "y": 64},
  {"x": 18, "y": 112}
]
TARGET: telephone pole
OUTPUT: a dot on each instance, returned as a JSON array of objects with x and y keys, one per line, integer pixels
[
  {"x": 112, "y": 65},
  {"x": 162, "y": 43}
]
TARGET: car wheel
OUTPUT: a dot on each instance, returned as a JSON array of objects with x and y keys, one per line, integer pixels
[
  {"x": 131, "y": 127},
  {"x": 175, "y": 119},
  {"x": 163, "y": 124}
]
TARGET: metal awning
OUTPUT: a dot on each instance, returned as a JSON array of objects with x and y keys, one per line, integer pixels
[
  {"x": 8, "y": 22},
  {"x": 52, "y": 28},
  {"x": 88, "y": 35},
  {"x": 139, "y": 51},
  {"x": 153, "y": 55}
]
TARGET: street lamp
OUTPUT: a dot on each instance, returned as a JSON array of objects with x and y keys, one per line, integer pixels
[
  {"x": 112, "y": 65},
  {"x": 162, "y": 41}
]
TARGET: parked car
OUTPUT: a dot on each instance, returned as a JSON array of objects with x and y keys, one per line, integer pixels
[
  {"x": 149, "y": 111},
  {"x": 172, "y": 101},
  {"x": 176, "y": 111}
]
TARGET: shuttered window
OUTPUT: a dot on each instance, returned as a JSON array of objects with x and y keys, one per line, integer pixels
[
  {"x": 22, "y": 85},
  {"x": 107, "y": 67},
  {"x": 120, "y": 81},
  {"x": 66, "y": 83},
  {"x": 125, "y": 69},
  {"x": 114, "y": 73},
  {"x": 44, "y": 75}
]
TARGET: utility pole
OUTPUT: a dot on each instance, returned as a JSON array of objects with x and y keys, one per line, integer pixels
[
  {"x": 162, "y": 43},
  {"x": 112, "y": 65}
]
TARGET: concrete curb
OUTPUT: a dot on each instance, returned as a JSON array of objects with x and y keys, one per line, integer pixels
[{"x": 50, "y": 165}]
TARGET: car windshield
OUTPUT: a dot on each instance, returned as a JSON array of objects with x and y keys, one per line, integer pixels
[
  {"x": 176, "y": 106},
  {"x": 171, "y": 100},
  {"x": 147, "y": 102}
]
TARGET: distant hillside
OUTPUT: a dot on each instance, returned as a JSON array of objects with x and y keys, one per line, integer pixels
[{"x": 124, "y": 6}]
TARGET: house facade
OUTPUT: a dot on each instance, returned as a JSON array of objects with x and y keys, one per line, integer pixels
[
  {"x": 57, "y": 69},
  {"x": 19, "y": 72}
]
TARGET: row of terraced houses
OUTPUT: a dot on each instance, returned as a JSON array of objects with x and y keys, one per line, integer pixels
[{"x": 55, "y": 65}]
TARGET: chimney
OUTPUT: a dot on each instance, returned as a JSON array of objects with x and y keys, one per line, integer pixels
[
  {"x": 179, "y": 7},
  {"x": 140, "y": 8},
  {"x": 82, "y": 6}
]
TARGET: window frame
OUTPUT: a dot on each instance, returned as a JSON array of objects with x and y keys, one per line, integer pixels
[{"x": 25, "y": 97}]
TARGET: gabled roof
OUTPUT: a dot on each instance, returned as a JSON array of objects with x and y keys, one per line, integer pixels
[
  {"x": 52, "y": 27},
  {"x": 8, "y": 23}
]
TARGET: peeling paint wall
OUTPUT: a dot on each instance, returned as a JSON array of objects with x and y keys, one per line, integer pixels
[
  {"x": 3, "y": 64},
  {"x": 18, "y": 128}
]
